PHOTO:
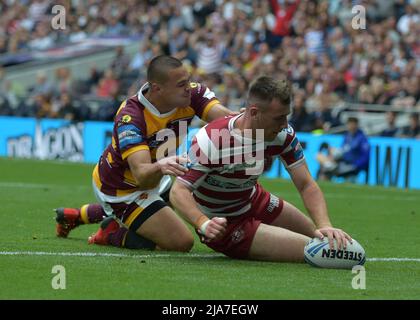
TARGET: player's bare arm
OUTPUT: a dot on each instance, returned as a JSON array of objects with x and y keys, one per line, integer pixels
[
  {"x": 181, "y": 197},
  {"x": 315, "y": 204},
  {"x": 219, "y": 111},
  {"x": 148, "y": 174}
]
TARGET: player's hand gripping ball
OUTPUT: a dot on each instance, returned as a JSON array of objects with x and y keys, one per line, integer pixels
[{"x": 319, "y": 254}]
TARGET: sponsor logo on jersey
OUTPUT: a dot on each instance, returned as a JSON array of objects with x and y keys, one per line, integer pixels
[
  {"x": 274, "y": 203},
  {"x": 289, "y": 130},
  {"x": 238, "y": 235},
  {"x": 144, "y": 196},
  {"x": 129, "y": 135},
  {"x": 228, "y": 185},
  {"x": 298, "y": 151},
  {"x": 126, "y": 118}
]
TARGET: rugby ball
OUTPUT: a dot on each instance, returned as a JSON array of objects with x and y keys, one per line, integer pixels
[{"x": 319, "y": 254}]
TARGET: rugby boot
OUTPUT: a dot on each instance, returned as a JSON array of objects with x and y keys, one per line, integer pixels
[
  {"x": 67, "y": 219},
  {"x": 108, "y": 226}
]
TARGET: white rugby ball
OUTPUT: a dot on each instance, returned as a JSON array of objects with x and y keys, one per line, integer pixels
[{"x": 319, "y": 254}]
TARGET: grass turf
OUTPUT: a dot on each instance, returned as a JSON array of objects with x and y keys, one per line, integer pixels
[{"x": 384, "y": 220}]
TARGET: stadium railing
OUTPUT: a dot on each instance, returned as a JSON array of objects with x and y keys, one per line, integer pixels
[{"x": 372, "y": 117}]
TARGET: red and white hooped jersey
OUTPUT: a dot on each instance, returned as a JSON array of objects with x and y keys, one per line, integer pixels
[{"x": 226, "y": 165}]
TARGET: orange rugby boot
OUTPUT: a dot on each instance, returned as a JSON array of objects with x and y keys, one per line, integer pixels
[
  {"x": 108, "y": 226},
  {"x": 67, "y": 219}
]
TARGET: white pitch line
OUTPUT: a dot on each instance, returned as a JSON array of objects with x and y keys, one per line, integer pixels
[
  {"x": 394, "y": 259},
  {"x": 114, "y": 255},
  {"x": 23, "y": 185},
  {"x": 158, "y": 255}
]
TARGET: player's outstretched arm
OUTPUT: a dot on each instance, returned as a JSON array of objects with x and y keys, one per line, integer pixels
[
  {"x": 148, "y": 174},
  {"x": 182, "y": 199},
  {"x": 219, "y": 111},
  {"x": 316, "y": 205}
]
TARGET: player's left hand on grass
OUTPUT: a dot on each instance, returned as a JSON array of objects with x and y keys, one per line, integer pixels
[{"x": 333, "y": 233}]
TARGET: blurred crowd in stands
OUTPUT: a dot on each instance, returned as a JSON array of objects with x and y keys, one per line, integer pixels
[{"x": 225, "y": 44}]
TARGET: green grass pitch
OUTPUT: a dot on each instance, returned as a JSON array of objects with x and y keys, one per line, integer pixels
[{"x": 385, "y": 221}]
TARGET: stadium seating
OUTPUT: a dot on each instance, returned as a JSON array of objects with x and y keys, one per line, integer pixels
[{"x": 330, "y": 63}]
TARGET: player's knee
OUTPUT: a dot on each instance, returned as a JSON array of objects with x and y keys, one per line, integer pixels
[
  {"x": 182, "y": 244},
  {"x": 186, "y": 244}
]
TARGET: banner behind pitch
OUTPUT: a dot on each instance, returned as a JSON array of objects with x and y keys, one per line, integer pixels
[{"x": 393, "y": 162}]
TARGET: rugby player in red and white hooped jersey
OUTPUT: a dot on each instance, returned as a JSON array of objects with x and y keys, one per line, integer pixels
[
  {"x": 222, "y": 198},
  {"x": 131, "y": 181}
]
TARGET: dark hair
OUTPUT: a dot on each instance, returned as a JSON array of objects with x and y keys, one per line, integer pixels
[
  {"x": 159, "y": 67},
  {"x": 353, "y": 119},
  {"x": 267, "y": 88}
]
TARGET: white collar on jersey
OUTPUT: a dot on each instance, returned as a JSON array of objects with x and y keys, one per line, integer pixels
[
  {"x": 235, "y": 132},
  {"x": 149, "y": 106}
]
